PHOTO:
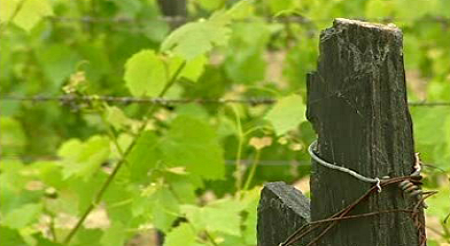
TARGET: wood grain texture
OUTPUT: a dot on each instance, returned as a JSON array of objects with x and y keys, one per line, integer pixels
[
  {"x": 358, "y": 106},
  {"x": 282, "y": 209}
]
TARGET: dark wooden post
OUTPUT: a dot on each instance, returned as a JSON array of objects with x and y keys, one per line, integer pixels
[
  {"x": 174, "y": 9},
  {"x": 282, "y": 209},
  {"x": 357, "y": 104}
]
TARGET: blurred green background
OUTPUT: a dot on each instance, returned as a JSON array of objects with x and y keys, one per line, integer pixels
[{"x": 56, "y": 154}]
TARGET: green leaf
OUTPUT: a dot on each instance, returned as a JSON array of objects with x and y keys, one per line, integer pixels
[
  {"x": 287, "y": 114},
  {"x": 42, "y": 241},
  {"x": 183, "y": 187},
  {"x": 84, "y": 159},
  {"x": 89, "y": 237},
  {"x": 116, "y": 117},
  {"x": 193, "y": 143},
  {"x": 31, "y": 12},
  {"x": 247, "y": 52},
  {"x": 438, "y": 205},
  {"x": 165, "y": 209},
  {"x": 58, "y": 61},
  {"x": 11, "y": 237},
  {"x": 97, "y": 61},
  {"x": 192, "y": 71},
  {"x": 114, "y": 235},
  {"x": 50, "y": 173},
  {"x": 143, "y": 157},
  {"x": 22, "y": 216},
  {"x": 219, "y": 216},
  {"x": 181, "y": 235},
  {"x": 197, "y": 38},
  {"x": 430, "y": 135},
  {"x": 7, "y": 9},
  {"x": 118, "y": 198},
  {"x": 13, "y": 138},
  {"x": 250, "y": 203},
  {"x": 193, "y": 110},
  {"x": 145, "y": 74},
  {"x": 14, "y": 177},
  {"x": 79, "y": 193}
]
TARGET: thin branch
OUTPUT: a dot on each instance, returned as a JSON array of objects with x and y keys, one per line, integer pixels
[{"x": 118, "y": 166}]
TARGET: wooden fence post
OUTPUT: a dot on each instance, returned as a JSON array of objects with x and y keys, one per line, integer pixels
[
  {"x": 357, "y": 104},
  {"x": 282, "y": 209}
]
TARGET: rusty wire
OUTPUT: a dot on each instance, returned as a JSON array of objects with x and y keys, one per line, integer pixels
[{"x": 343, "y": 215}]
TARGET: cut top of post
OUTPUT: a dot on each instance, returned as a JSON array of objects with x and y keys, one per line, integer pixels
[{"x": 389, "y": 27}]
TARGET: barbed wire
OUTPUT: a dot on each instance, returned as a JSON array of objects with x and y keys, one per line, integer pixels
[
  {"x": 296, "y": 19},
  {"x": 70, "y": 99},
  {"x": 246, "y": 162},
  {"x": 67, "y": 99}
]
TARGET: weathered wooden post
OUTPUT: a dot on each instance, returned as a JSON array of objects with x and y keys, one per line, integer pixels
[
  {"x": 358, "y": 107},
  {"x": 282, "y": 209}
]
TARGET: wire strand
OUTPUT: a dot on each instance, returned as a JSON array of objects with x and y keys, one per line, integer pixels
[
  {"x": 296, "y": 19},
  {"x": 70, "y": 99},
  {"x": 322, "y": 162}
]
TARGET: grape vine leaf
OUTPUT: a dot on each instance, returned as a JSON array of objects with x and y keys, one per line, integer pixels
[
  {"x": 165, "y": 209},
  {"x": 117, "y": 199},
  {"x": 287, "y": 114},
  {"x": 42, "y": 241},
  {"x": 246, "y": 52},
  {"x": 13, "y": 137},
  {"x": 250, "y": 204},
  {"x": 219, "y": 216},
  {"x": 7, "y": 9},
  {"x": 27, "y": 13},
  {"x": 192, "y": 71},
  {"x": 116, "y": 117},
  {"x": 50, "y": 173},
  {"x": 439, "y": 205},
  {"x": 181, "y": 235},
  {"x": 143, "y": 157},
  {"x": 91, "y": 237},
  {"x": 183, "y": 187},
  {"x": 193, "y": 143},
  {"x": 430, "y": 132},
  {"x": 83, "y": 159},
  {"x": 22, "y": 216},
  {"x": 11, "y": 236},
  {"x": 196, "y": 38},
  {"x": 145, "y": 74},
  {"x": 81, "y": 192},
  {"x": 58, "y": 61},
  {"x": 114, "y": 235}
]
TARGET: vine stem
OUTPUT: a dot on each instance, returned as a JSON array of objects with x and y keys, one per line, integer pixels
[
  {"x": 241, "y": 138},
  {"x": 251, "y": 174},
  {"x": 120, "y": 163}
]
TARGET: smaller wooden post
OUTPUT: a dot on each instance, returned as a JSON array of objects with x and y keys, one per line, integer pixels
[{"x": 282, "y": 209}]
